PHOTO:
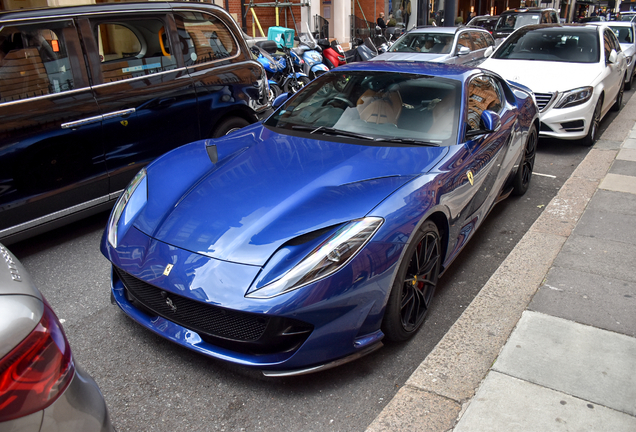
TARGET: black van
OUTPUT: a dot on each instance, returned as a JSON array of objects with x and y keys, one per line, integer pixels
[
  {"x": 513, "y": 19},
  {"x": 90, "y": 94}
]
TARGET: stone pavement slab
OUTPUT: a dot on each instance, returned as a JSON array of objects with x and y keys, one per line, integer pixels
[
  {"x": 599, "y": 301},
  {"x": 507, "y": 404},
  {"x": 605, "y": 224},
  {"x": 623, "y": 167},
  {"x": 619, "y": 183},
  {"x": 598, "y": 256},
  {"x": 583, "y": 361},
  {"x": 627, "y": 154},
  {"x": 619, "y": 202}
]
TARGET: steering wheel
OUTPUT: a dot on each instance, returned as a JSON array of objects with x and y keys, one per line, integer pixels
[{"x": 339, "y": 99}]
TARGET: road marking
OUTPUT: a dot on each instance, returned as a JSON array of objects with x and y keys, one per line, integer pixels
[{"x": 543, "y": 175}]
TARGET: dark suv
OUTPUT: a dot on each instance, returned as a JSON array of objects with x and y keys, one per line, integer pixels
[
  {"x": 90, "y": 94},
  {"x": 513, "y": 19}
]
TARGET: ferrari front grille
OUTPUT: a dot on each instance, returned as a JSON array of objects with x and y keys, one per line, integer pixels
[{"x": 200, "y": 317}]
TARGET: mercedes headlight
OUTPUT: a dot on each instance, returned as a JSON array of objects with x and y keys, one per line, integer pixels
[
  {"x": 128, "y": 195},
  {"x": 575, "y": 97},
  {"x": 333, "y": 254}
]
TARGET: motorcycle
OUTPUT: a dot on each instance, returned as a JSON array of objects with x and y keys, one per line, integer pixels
[
  {"x": 285, "y": 76},
  {"x": 272, "y": 67},
  {"x": 332, "y": 53},
  {"x": 309, "y": 50}
]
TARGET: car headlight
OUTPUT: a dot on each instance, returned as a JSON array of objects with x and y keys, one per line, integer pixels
[
  {"x": 333, "y": 254},
  {"x": 128, "y": 195},
  {"x": 575, "y": 97},
  {"x": 629, "y": 60}
]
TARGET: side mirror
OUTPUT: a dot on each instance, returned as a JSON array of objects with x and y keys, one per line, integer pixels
[
  {"x": 280, "y": 99},
  {"x": 489, "y": 51},
  {"x": 490, "y": 120},
  {"x": 612, "y": 57},
  {"x": 463, "y": 51}
]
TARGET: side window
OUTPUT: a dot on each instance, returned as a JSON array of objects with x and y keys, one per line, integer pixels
[
  {"x": 615, "y": 43},
  {"x": 204, "y": 38},
  {"x": 608, "y": 44},
  {"x": 555, "y": 18},
  {"x": 464, "y": 41},
  {"x": 483, "y": 94},
  {"x": 490, "y": 41},
  {"x": 35, "y": 60},
  {"x": 479, "y": 42},
  {"x": 133, "y": 48}
]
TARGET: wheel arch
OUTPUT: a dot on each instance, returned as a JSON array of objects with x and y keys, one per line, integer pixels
[{"x": 241, "y": 113}]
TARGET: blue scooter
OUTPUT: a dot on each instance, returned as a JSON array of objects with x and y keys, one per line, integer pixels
[
  {"x": 280, "y": 69},
  {"x": 272, "y": 67},
  {"x": 309, "y": 49}
]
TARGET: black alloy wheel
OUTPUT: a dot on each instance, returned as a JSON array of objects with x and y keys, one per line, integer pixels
[
  {"x": 292, "y": 86},
  {"x": 229, "y": 125},
  {"x": 619, "y": 97},
  {"x": 524, "y": 172},
  {"x": 594, "y": 124},
  {"x": 414, "y": 285}
]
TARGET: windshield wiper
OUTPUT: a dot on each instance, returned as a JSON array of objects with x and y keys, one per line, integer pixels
[
  {"x": 331, "y": 131},
  {"x": 408, "y": 141}
]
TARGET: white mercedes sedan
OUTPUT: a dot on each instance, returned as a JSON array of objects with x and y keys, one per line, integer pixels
[{"x": 576, "y": 73}]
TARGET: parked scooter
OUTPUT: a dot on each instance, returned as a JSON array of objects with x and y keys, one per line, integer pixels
[
  {"x": 332, "y": 53},
  {"x": 309, "y": 50},
  {"x": 361, "y": 51}
]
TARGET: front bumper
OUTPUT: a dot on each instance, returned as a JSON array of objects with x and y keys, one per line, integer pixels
[
  {"x": 301, "y": 331},
  {"x": 567, "y": 123}
]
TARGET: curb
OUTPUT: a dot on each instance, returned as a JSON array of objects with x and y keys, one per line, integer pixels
[{"x": 437, "y": 393}]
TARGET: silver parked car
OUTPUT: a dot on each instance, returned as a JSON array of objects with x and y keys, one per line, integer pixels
[
  {"x": 41, "y": 387},
  {"x": 455, "y": 45}
]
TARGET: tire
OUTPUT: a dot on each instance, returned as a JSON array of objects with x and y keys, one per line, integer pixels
[
  {"x": 275, "y": 91},
  {"x": 596, "y": 120},
  {"x": 628, "y": 84},
  {"x": 523, "y": 176},
  {"x": 291, "y": 86},
  {"x": 414, "y": 285},
  {"x": 619, "y": 97},
  {"x": 228, "y": 126}
]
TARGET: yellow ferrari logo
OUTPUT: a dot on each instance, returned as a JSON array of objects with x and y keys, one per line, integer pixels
[
  {"x": 469, "y": 174},
  {"x": 166, "y": 272},
  {"x": 124, "y": 122}
]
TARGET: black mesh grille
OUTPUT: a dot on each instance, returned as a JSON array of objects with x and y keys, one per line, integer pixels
[{"x": 201, "y": 317}]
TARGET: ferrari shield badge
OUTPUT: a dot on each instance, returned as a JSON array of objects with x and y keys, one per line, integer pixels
[
  {"x": 469, "y": 174},
  {"x": 166, "y": 272}
]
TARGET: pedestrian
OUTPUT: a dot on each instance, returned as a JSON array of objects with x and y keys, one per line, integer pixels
[{"x": 381, "y": 22}]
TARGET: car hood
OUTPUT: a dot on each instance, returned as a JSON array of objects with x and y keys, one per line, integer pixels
[
  {"x": 545, "y": 77},
  {"x": 415, "y": 56},
  {"x": 268, "y": 188}
]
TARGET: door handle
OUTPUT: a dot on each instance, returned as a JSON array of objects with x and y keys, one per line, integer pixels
[{"x": 97, "y": 119}]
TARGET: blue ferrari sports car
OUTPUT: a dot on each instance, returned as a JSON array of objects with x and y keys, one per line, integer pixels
[{"x": 303, "y": 242}]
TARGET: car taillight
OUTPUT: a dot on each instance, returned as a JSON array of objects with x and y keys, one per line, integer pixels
[{"x": 37, "y": 371}]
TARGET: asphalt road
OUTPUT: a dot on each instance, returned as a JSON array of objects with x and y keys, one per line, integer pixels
[{"x": 153, "y": 385}]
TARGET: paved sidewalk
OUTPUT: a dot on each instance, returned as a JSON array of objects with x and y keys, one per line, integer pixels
[{"x": 549, "y": 343}]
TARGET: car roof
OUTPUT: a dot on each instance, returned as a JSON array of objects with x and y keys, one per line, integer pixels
[
  {"x": 613, "y": 23},
  {"x": 590, "y": 27},
  {"x": 442, "y": 70},
  {"x": 526, "y": 10},
  {"x": 52, "y": 12},
  {"x": 444, "y": 30}
]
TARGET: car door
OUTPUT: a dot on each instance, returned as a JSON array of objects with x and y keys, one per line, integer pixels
[
  {"x": 464, "y": 41},
  {"x": 51, "y": 149},
  {"x": 143, "y": 91},
  {"x": 478, "y": 162},
  {"x": 613, "y": 71},
  {"x": 480, "y": 44}
]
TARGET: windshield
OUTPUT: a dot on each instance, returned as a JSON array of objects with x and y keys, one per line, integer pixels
[
  {"x": 307, "y": 38},
  {"x": 379, "y": 106},
  {"x": 623, "y": 34},
  {"x": 515, "y": 21},
  {"x": 438, "y": 43},
  {"x": 551, "y": 44},
  {"x": 628, "y": 17}
]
